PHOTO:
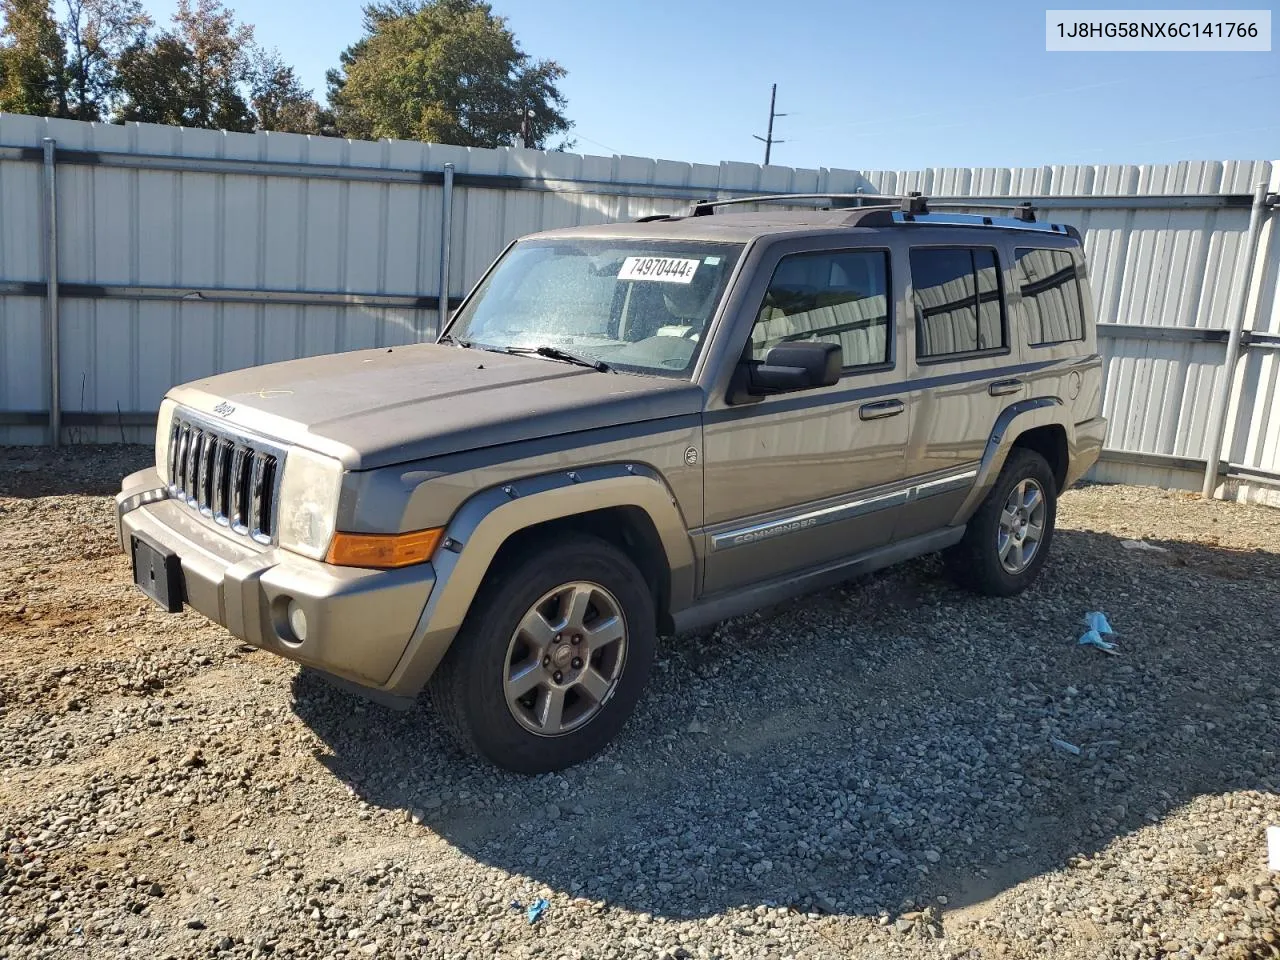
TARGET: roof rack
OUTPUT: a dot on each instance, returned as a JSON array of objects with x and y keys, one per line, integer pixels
[
  {"x": 910, "y": 205},
  {"x": 916, "y": 203},
  {"x": 704, "y": 208}
]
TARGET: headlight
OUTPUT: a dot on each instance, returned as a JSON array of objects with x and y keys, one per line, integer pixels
[
  {"x": 164, "y": 426},
  {"x": 309, "y": 502}
]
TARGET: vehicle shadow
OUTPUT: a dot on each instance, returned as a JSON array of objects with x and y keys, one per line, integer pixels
[{"x": 877, "y": 745}]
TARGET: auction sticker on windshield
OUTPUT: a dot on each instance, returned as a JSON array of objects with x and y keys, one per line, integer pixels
[{"x": 662, "y": 269}]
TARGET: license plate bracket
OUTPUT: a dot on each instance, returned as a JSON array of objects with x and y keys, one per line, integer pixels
[{"x": 157, "y": 572}]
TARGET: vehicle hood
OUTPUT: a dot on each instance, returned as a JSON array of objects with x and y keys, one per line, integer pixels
[{"x": 374, "y": 408}]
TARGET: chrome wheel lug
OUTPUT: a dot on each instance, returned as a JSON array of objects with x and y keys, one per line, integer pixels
[
  {"x": 577, "y": 638},
  {"x": 557, "y": 676},
  {"x": 577, "y": 662},
  {"x": 546, "y": 661}
]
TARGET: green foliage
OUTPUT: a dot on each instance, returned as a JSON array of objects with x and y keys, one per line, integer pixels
[
  {"x": 191, "y": 75},
  {"x": 96, "y": 33},
  {"x": 447, "y": 71},
  {"x": 32, "y": 55},
  {"x": 279, "y": 100},
  {"x": 65, "y": 69},
  {"x": 103, "y": 61}
]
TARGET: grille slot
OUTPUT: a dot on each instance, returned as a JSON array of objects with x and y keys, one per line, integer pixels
[{"x": 231, "y": 479}]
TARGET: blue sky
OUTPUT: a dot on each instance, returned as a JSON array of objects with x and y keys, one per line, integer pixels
[{"x": 866, "y": 85}]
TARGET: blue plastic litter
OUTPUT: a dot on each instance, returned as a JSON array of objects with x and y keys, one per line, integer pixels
[
  {"x": 1098, "y": 626},
  {"x": 1096, "y": 620},
  {"x": 1092, "y": 639},
  {"x": 536, "y": 910}
]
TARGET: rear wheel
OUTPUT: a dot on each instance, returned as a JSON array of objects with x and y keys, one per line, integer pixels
[
  {"x": 1007, "y": 540},
  {"x": 552, "y": 658}
]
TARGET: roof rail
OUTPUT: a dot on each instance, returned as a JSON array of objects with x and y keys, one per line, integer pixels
[
  {"x": 704, "y": 208},
  {"x": 910, "y": 205}
]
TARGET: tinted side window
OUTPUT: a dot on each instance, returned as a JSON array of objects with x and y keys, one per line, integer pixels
[
  {"x": 1051, "y": 307},
  {"x": 957, "y": 298},
  {"x": 837, "y": 297}
]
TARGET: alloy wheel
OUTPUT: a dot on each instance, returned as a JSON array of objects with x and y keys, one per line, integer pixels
[
  {"x": 1021, "y": 529},
  {"x": 565, "y": 658}
]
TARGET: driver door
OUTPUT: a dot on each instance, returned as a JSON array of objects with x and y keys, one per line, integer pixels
[{"x": 800, "y": 479}]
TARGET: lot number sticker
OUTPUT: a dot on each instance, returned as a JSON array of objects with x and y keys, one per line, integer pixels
[{"x": 661, "y": 269}]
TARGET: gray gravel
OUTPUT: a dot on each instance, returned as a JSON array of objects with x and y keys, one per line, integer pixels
[{"x": 866, "y": 772}]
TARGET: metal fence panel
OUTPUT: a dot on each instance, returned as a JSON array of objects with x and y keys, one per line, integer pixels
[
  {"x": 23, "y": 368},
  {"x": 274, "y": 246}
]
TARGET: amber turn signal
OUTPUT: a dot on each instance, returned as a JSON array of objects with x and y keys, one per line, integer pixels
[{"x": 381, "y": 550}]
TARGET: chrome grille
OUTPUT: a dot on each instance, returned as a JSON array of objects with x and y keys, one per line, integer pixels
[{"x": 231, "y": 479}]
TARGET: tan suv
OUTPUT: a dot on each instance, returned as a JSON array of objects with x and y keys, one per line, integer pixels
[{"x": 625, "y": 430}]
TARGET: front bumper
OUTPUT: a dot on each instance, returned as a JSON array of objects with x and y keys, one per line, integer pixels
[{"x": 359, "y": 622}]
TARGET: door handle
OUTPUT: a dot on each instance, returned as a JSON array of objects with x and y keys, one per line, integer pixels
[
  {"x": 1004, "y": 387},
  {"x": 880, "y": 409}
]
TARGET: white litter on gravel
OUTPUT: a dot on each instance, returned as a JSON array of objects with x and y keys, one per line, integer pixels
[{"x": 1142, "y": 545}]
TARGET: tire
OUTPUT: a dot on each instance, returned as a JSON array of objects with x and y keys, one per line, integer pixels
[
  {"x": 522, "y": 630},
  {"x": 987, "y": 559}
]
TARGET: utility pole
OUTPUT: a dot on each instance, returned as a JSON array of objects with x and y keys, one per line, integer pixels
[
  {"x": 526, "y": 128},
  {"x": 768, "y": 141}
]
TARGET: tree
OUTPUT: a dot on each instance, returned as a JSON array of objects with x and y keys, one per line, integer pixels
[
  {"x": 280, "y": 102},
  {"x": 447, "y": 71},
  {"x": 96, "y": 33},
  {"x": 32, "y": 57},
  {"x": 102, "y": 60},
  {"x": 154, "y": 81},
  {"x": 193, "y": 74}
]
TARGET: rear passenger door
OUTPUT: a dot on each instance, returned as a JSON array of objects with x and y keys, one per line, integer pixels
[
  {"x": 963, "y": 372},
  {"x": 799, "y": 479}
]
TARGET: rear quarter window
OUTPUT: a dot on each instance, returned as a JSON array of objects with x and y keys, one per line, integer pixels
[{"x": 1050, "y": 303}]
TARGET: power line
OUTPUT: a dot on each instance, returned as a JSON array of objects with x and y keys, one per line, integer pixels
[
  {"x": 579, "y": 136},
  {"x": 768, "y": 140}
]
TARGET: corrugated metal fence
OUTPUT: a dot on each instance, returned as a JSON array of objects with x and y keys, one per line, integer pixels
[{"x": 180, "y": 253}]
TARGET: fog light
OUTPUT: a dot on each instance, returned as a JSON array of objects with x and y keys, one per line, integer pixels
[{"x": 297, "y": 621}]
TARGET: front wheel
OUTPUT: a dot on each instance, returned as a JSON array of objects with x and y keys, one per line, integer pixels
[
  {"x": 1007, "y": 540},
  {"x": 551, "y": 659}
]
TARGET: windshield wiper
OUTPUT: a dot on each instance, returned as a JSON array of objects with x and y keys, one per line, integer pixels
[
  {"x": 558, "y": 353},
  {"x": 468, "y": 344}
]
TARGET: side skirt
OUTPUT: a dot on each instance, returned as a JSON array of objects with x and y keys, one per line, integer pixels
[{"x": 734, "y": 603}]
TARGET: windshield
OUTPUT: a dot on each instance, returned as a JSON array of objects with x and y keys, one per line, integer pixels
[{"x": 638, "y": 305}]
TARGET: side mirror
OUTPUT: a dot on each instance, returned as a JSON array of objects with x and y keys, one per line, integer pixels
[{"x": 788, "y": 367}]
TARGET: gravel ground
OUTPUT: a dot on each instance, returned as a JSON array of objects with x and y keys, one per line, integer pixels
[{"x": 868, "y": 772}]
